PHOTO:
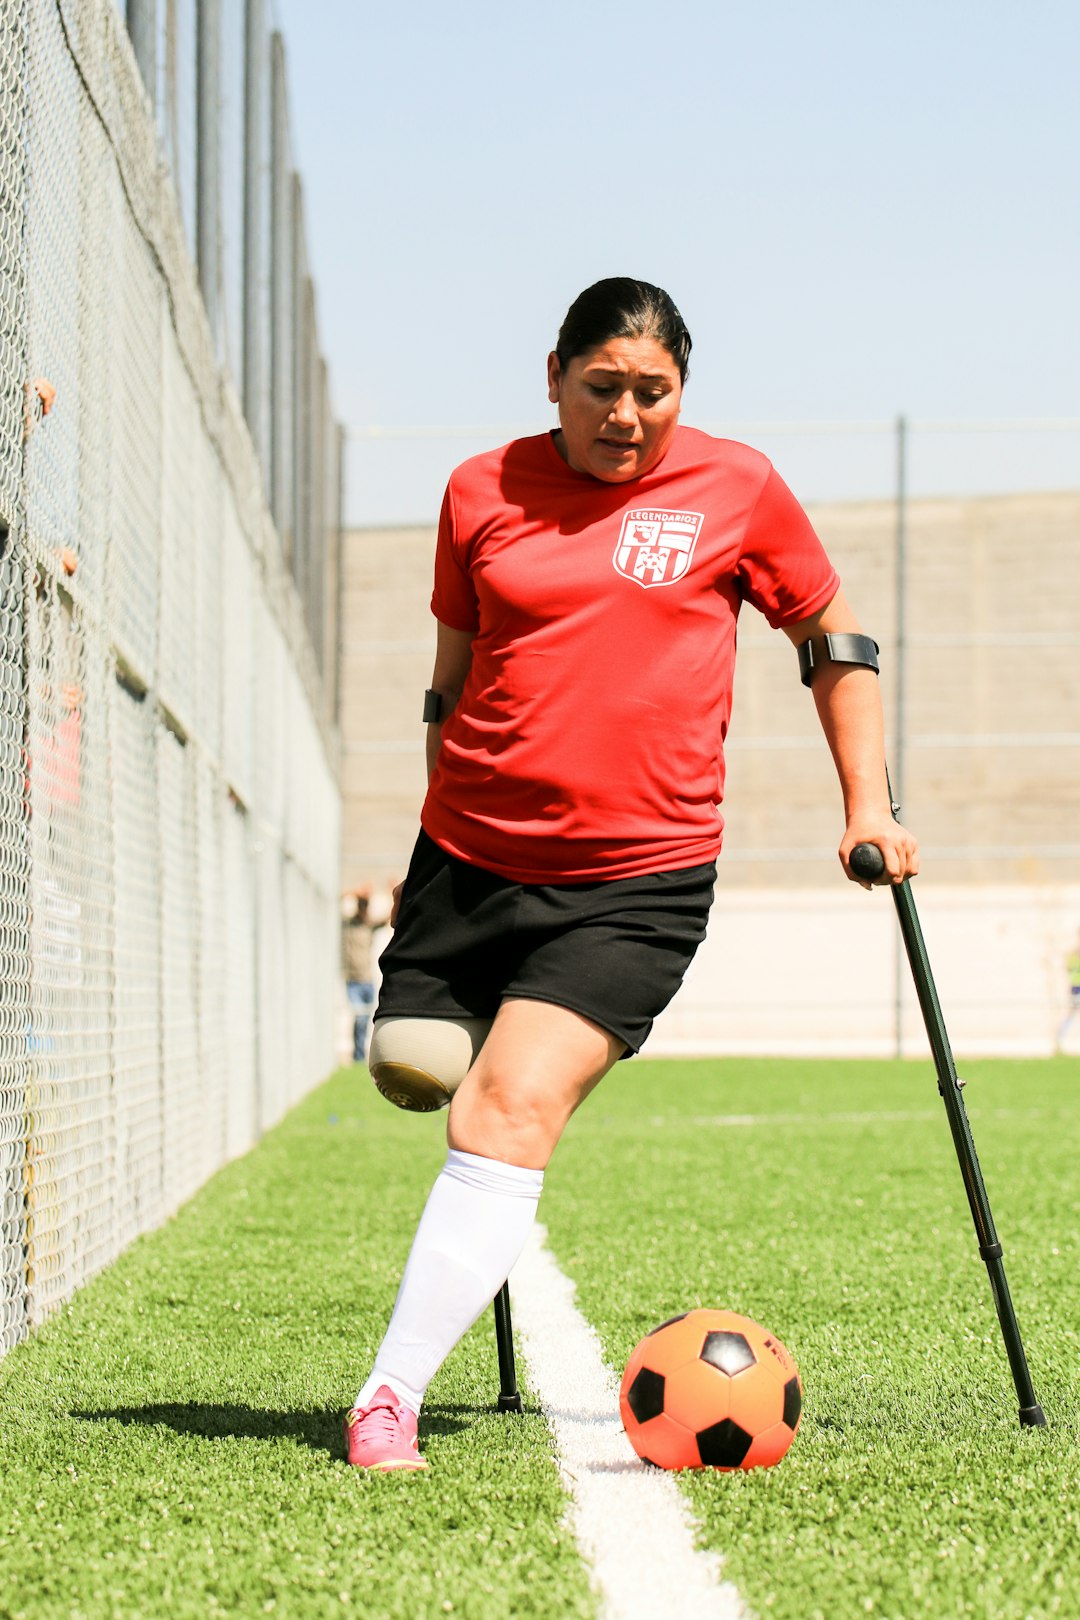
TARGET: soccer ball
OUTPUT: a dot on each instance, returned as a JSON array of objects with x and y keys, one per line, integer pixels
[{"x": 710, "y": 1389}]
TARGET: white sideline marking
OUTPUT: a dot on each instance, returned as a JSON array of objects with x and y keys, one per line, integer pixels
[{"x": 631, "y": 1522}]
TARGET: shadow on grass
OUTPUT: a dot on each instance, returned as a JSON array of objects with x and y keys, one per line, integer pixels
[
  {"x": 453, "y": 1417},
  {"x": 321, "y": 1431}
]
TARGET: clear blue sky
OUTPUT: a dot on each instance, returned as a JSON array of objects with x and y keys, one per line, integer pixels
[{"x": 860, "y": 209}]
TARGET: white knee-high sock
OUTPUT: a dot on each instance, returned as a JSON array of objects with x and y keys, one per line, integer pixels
[{"x": 474, "y": 1226}]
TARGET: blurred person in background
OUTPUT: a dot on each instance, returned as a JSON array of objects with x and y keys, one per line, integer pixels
[
  {"x": 358, "y": 964},
  {"x": 1072, "y": 1010}
]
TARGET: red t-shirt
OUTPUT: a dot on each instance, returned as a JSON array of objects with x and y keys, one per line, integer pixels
[{"x": 589, "y": 740}]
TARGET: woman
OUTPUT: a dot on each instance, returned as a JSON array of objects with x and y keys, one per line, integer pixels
[{"x": 587, "y": 585}]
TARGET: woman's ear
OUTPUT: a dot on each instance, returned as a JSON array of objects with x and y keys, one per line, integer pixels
[{"x": 554, "y": 370}]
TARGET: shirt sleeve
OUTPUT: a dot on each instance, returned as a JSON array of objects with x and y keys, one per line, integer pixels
[
  {"x": 783, "y": 569},
  {"x": 453, "y": 600}
]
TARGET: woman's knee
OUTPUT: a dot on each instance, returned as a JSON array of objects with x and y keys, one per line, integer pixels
[
  {"x": 511, "y": 1116},
  {"x": 539, "y": 1062},
  {"x": 489, "y": 1092}
]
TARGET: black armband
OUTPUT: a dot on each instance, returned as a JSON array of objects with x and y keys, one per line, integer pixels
[
  {"x": 432, "y": 707},
  {"x": 841, "y": 647}
]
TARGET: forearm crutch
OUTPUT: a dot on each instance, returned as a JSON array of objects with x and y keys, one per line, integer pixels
[{"x": 868, "y": 863}]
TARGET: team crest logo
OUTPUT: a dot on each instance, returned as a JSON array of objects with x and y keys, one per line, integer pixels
[{"x": 655, "y": 547}]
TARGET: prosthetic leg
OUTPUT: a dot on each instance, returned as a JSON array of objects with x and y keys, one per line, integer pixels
[{"x": 418, "y": 1064}]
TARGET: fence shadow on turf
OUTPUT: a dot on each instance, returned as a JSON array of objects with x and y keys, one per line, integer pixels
[{"x": 321, "y": 1431}]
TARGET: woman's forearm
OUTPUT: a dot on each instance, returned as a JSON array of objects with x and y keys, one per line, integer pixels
[{"x": 849, "y": 708}]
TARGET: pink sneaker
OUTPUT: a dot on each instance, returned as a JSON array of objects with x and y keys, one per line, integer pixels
[{"x": 382, "y": 1435}]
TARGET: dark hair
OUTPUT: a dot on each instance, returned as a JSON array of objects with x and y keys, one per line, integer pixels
[{"x": 618, "y": 307}]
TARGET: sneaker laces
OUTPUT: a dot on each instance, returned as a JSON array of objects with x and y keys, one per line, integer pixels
[{"x": 382, "y": 1421}]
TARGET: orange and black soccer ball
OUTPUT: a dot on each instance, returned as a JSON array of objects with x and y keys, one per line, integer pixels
[{"x": 710, "y": 1389}]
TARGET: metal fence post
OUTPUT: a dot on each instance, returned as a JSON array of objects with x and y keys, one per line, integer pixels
[
  {"x": 337, "y": 580},
  {"x": 298, "y": 381},
  {"x": 281, "y": 296},
  {"x": 900, "y": 693},
  {"x": 142, "y": 26},
  {"x": 254, "y": 224},
  {"x": 208, "y": 160}
]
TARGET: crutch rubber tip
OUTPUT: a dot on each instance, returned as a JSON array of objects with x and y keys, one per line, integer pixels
[
  {"x": 509, "y": 1403},
  {"x": 1031, "y": 1417}
]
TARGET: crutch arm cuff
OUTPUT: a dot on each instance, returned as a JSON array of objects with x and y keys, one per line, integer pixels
[{"x": 836, "y": 647}]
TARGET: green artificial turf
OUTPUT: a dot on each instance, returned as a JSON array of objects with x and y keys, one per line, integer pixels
[
  {"x": 910, "y": 1490},
  {"x": 170, "y": 1443}
]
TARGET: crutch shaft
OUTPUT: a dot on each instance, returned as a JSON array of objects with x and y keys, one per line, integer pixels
[
  {"x": 509, "y": 1399},
  {"x": 949, "y": 1085},
  {"x": 871, "y": 865}
]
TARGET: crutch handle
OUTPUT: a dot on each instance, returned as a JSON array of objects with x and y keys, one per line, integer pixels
[{"x": 867, "y": 862}]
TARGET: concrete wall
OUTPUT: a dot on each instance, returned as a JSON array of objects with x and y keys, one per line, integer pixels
[
  {"x": 991, "y": 753},
  {"x": 991, "y": 780},
  {"x": 387, "y": 649},
  {"x": 821, "y": 971},
  {"x": 991, "y": 758}
]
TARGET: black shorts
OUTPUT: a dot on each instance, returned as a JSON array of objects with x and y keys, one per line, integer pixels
[{"x": 614, "y": 951}]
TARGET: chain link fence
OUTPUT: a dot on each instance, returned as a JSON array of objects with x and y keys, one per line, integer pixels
[{"x": 169, "y": 805}]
